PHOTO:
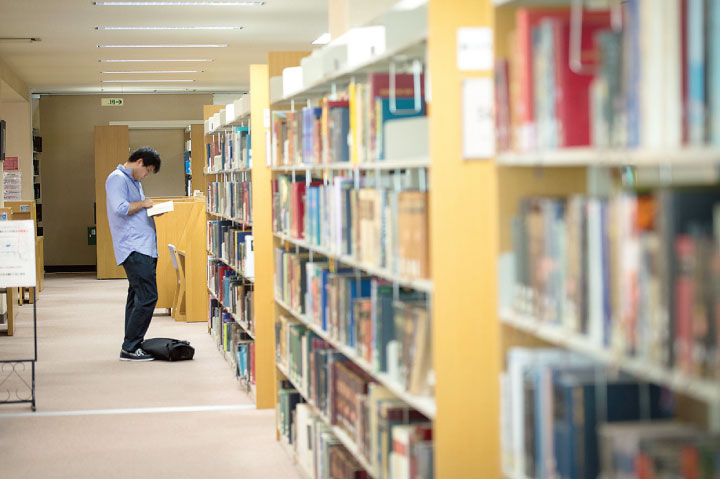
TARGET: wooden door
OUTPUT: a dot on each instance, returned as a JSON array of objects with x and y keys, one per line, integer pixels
[{"x": 111, "y": 149}]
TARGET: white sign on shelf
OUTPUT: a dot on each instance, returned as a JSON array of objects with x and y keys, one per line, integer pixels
[
  {"x": 17, "y": 254},
  {"x": 12, "y": 185},
  {"x": 478, "y": 125},
  {"x": 475, "y": 49}
]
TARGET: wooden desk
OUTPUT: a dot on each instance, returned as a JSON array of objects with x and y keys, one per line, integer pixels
[{"x": 185, "y": 228}]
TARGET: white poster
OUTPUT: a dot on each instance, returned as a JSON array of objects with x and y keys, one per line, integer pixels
[
  {"x": 478, "y": 123},
  {"x": 17, "y": 254},
  {"x": 12, "y": 185}
]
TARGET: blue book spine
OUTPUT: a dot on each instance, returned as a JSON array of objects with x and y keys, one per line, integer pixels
[
  {"x": 714, "y": 70},
  {"x": 563, "y": 431},
  {"x": 405, "y": 109},
  {"x": 696, "y": 70},
  {"x": 607, "y": 282},
  {"x": 323, "y": 289},
  {"x": 633, "y": 73}
]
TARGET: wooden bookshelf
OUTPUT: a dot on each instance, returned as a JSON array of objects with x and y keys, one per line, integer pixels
[{"x": 598, "y": 172}]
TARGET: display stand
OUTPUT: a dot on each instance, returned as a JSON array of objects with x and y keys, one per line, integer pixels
[{"x": 17, "y": 270}]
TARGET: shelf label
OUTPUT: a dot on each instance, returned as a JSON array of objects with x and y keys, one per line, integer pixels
[
  {"x": 475, "y": 49},
  {"x": 111, "y": 102},
  {"x": 478, "y": 124}
]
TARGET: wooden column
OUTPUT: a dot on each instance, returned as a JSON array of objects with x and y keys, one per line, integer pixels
[
  {"x": 263, "y": 239},
  {"x": 463, "y": 239}
]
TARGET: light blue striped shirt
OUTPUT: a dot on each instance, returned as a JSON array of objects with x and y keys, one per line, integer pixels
[{"x": 129, "y": 233}]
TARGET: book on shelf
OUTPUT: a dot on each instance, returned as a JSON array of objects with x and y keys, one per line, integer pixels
[
  {"x": 657, "y": 449},
  {"x": 634, "y": 274},
  {"x": 229, "y": 150},
  {"x": 652, "y": 83},
  {"x": 389, "y": 333},
  {"x": 232, "y": 199},
  {"x": 374, "y": 223},
  {"x": 555, "y": 403},
  {"x": 367, "y": 412},
  {"x": 348, "y": 129}
]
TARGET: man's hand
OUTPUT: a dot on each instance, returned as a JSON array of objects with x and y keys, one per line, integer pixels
[{"x": 136, "y": 206}]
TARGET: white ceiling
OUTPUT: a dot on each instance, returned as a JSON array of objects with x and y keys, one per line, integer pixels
[{"x": 66, "y": 58}]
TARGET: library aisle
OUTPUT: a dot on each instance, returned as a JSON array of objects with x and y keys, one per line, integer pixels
[{"x": 98, "y": 416}]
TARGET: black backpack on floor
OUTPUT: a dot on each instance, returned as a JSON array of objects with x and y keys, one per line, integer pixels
[{"x": 167, "y": 349}]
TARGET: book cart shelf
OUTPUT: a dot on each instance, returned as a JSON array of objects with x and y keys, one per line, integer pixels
[{"x": 625, "y": 299}]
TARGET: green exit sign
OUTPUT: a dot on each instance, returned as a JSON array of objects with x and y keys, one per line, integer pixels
[{"x": 111, "y": 102}]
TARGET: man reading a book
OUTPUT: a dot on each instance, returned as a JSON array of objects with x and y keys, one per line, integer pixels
[{"x": 135, "y": 245}]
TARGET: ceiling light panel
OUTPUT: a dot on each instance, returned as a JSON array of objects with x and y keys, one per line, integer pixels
[
  {"x": 148, "y": 60},
  {"x": 168, "y": 28},
  {"x": 147, "y": 81},
  {"x": 165, "y": 46},
  {"x": 180, "y": 4},
  {"x": 142, "y": 72}
]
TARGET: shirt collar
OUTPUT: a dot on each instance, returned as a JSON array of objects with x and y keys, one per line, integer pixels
[{"x": 127, "y": 171}]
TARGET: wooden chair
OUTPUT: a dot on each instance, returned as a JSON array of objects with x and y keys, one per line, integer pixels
[{"x": 178, "y": 307}]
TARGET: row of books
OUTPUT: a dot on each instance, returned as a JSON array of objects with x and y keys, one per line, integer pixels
[
  {"x": 232, "y": 199},
  {"x": 232, "y": 291},
  {"x": 653, "y": 83},
  {"x": 389, "y": 331},
  {"x": 638, "y": 274},
  {"x": 350, "y": 128},
  {"x": 659, "y": 449},
  {"x": 553, "y": 405},
  {"x": 229, "y": 149},
  {"x": 377, "y": 226},
  {"x": 233, "y": 245},
  {"x": 234, "y": 340},
  {"x": 366, "y": 411},
  {"x": 319, "y": 452}
]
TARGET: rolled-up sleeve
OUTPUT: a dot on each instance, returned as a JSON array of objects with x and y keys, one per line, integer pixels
[{"x": 116, "y": 190}]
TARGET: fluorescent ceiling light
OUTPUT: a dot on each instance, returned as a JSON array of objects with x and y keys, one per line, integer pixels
[
  {"x": 168, "y": 28},
  {"x": 159, "y": 60},
  {"x": 181, "y": 4},
  {"x": 323, "y": 39},
  {"x": 164, "y": 46},
  {"x": 160, "y": 71},
  {"x": 147, "y": 81}
]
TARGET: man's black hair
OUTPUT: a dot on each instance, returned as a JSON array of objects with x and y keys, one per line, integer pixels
[{"x": 149, "y": 156}]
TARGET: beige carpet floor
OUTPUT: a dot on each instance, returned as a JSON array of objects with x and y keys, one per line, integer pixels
[{"x": 99, "y": 417}]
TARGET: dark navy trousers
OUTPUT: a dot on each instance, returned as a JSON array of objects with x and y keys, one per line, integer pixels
[{"x": 141, "y": 299}]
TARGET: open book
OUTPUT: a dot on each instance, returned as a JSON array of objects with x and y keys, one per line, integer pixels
[{"x": 160, "y": 208}]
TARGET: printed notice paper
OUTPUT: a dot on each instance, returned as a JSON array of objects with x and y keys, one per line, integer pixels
[
  {"x": 478, "y": 118},
  {"x": 160, "y": 208},
  {"x": 17, "y": 254}
]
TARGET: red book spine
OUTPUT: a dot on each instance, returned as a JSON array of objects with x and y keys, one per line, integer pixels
[
  {"x": 572, "y": 99},
  {"x": 684, "y": 296}
]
